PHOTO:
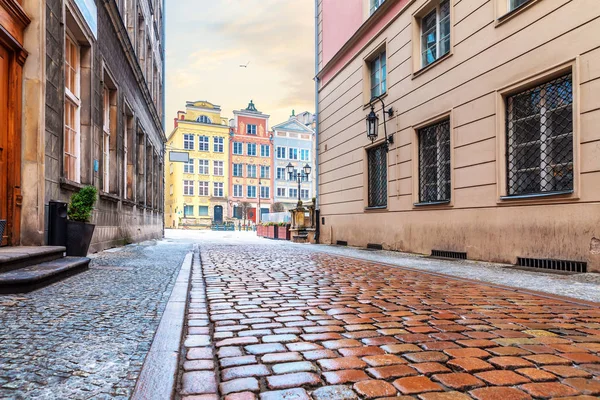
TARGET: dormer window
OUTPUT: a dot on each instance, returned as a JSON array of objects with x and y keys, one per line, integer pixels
[{"x": 203, "y": 119}]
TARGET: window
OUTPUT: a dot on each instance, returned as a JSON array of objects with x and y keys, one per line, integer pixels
[
  {"x": 218, "y": 189},
  {"x": 238, "y": 148},
  {"x": 171, "y": 190},
  {"x": 251, "y": 169},
  {"x": 281, "y": 173},
  {"x": 293, "y": 193},
  {"x": 304, "y": 193},
  {"x": 265, "y": 171},
  {"x": 202, "y": 188},
  {"x": 293, "y": 154},
  {"x": 203, "y": 211},
  {"x": 203, "y": 167},
  {"x": 304, "y": 155},
  {"x": 435, "y": 33},
  {"x": 188, "y": 167},
  {"x": 251, "y": 129},
  {"x": 514, "y": 4},
  {"x": 434, "y": 163},
  {"x": 188, "y": 211},
  {"x": 265, "y": 150},
  {"x": 202, "y": 143},
  {"x": 237, "y": 191},
  {"x": 203, "y": 119},
  {"x": 540, "y": 138},
  {"x": 218, "y": 168},
  {"x": 280, "y": 192},
  {"x": 71, "y": 145},
  {"x": 237, "y": 170},
  {"x": 188, "y": 188},
  {"x": 265, "y": 192},
  {"x": 280, "y": 152},
  {"x": 251, "y": 149},
  {"x": 188, "y": 141},
  {"x": 375, "y": 4},
  {"x": 377, "y": 176},
  {"x": 106, "y": 141},
  {"x": 251, "y": 191},
  {"x": 379, "y": 75},
  {"x": 217, "y": 144}
]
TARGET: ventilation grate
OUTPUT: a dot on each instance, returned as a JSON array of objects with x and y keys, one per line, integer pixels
[
  {"x": 449, "y": 254},
  {"x": 374, "y": 246},
  {"x": 342, "y": 243},
  {"x": 553, "y": 265}
]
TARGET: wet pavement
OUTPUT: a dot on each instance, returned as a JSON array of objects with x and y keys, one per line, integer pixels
[{"x": 279, "y": 321}]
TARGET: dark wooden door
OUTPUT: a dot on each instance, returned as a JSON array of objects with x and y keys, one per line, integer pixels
[
  {"x": 4, "y": 62},
  {"x": 218, "y": 216}
]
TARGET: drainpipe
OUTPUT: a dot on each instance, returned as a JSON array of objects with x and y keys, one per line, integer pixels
[{"x": 317, "y": 234}]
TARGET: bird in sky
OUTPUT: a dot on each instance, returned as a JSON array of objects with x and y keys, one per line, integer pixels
[{"x": 246, "y": 65}]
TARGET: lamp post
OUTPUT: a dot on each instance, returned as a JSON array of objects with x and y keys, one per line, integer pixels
[
  {"x": 258, "y": 211},
  {"x": 184, "y": 206},
  {"x": 373, "y": 124},
  {"x": 297, "y": 176}
]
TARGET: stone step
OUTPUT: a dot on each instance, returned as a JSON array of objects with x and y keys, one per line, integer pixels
[
  {"x": 35, "y": 276},
  {"x": 12, "y": 258}
]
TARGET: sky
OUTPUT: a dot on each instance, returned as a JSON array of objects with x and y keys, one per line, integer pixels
[{"x": 208, "y": 40}]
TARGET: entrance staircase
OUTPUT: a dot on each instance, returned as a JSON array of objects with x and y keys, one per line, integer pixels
[{"x": 23, "y": 269}]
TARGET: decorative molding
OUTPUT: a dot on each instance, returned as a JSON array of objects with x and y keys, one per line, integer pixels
[{"x": 16, "y": 11}]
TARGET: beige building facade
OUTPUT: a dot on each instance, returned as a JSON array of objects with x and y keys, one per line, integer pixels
[{"x": 495, "y": 146}]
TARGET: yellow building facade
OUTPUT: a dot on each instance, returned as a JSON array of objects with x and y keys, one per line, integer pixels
[{"x": 196, "y": 192}]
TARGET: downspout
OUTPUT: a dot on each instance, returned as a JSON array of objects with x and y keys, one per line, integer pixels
[{"x": 317, "y": 234}]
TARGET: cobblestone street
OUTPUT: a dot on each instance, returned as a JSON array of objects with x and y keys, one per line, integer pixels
[
  {"x": 286, "y": 322},
  {"x": 86, "y": 337}
]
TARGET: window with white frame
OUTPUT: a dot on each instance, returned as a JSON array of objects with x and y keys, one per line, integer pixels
[
  {"x": 435, "y": 33},
  {"x": 281, "y": 152},
  {"x": 71, "y": 142},
  {"x": 203, "y": 143},
  {"x": 218, "y": 168},
  {"x": 203, "y": 211},
  {"x": 280, "y": 192},
  {"x": 378, "y": 75},
  {"x": 218, "y": 189},
  {"x": 251, "y": 147},
  {"x": 203, "y": 167},
  {"x": 203, "y": 119},
  {"x": 188, "y": 141},
  {"x": 106, "y": 141},
  {"x": 238, "y": 148},
  {"x": 292, "y": 153},
  {"x": 293, "y": 193},
  {"x": 237, "y": 170},
  {"x": 434, "y": 162},
  {"x": 304, "y": 193},
  {"x": 265, "y": 171},
  {"x": 281, "y": 173},
  {"x": 251, "y": 171},
  {"x": 237, "y": 191},
  {"x": 251, "y": 191},
  {"x": 218, "y": 144},
  {"x": 188, "y": 167},
  {"x": 251, "y": 129},
  {"x": 375, "y": 4},
  {"x": 188, "y": 188},
  {"x": 540, "y": 138},
  {"x": 304, "y": 154},
  {"x": 265, "y": 192},
  {"x": 203, "y": 188},
  {"x": 514, "y": 4},
  {"x": 265, "y": 150}
]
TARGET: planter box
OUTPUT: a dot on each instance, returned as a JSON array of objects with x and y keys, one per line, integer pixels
[
  {"x": 283, "y": 232},
  {"x": 79, "y": 237},
  {"x": 260, "y": 231},
  {"x": 271, "y": 232}
]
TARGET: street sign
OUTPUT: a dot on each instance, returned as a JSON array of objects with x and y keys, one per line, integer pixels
[{"x": 179, "y": 156}]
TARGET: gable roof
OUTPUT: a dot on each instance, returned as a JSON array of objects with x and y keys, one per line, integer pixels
[{"x": 292, "y": 125}]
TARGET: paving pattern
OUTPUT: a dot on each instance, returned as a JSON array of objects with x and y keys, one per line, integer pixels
[
  {"x": 296, "y": 324},
  {"x": 86, "y": 337}
]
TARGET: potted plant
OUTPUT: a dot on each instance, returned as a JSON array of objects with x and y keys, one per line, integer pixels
[{"x": 79, "y": 231}]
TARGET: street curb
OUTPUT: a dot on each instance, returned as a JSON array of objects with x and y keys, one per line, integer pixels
[{"x": 158, "y": 377}]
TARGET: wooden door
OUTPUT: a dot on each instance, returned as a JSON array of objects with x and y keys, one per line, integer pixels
[{"x": 4, "y": 62}]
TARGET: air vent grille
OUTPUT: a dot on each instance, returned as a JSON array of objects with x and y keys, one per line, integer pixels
[
  {"x": 449, "y": 254},
  {"x": 374, "y": 246},
  {"x": 342, "y": 243},
  {"x": 553, "y": 265}
]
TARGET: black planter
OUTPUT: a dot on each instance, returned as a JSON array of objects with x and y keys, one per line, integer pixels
[{"x": 79, "y": 237}]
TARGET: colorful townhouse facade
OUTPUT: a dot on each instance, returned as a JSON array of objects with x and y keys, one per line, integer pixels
[
  {"x": 197, "y": 190},
  {"x": 461, "y": 128},
  {"x": 293, "y": 143},
  {"x": 251, "y": 169}
]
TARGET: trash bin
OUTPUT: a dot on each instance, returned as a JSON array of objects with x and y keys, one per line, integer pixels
[{"x": 57, "y": 223}]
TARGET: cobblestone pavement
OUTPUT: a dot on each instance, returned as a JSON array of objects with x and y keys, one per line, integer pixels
[
  {"x": 86, "y": 337},
  {"x": 297, "y": 324}
]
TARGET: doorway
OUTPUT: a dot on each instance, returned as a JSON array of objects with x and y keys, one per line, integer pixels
[
  {"x": 218, "y": 215},
  {"x": 4, "y": 200}
]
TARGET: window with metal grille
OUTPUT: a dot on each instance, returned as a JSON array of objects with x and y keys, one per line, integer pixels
[
  {"x": 377, "y": 169},
  {"x": 434, "y": 162},
  {"x": 539, "y": 128}
]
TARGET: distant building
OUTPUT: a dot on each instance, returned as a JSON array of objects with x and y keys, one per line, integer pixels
[
  {"x": 197, "y": 191},
  {"x": 293, "y": 143},
  {"x": 251, "y": 169}
]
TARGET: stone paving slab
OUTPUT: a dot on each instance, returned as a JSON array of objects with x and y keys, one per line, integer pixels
[{"x": 300, "y": 324}]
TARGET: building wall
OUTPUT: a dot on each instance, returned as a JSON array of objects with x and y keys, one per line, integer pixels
[
  {"x": 341, "y": 18},
  {"x": 490, "y": 56},
  {"x": 175, "y": 175}
]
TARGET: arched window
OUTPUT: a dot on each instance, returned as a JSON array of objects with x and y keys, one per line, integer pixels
[{"x": 203, "y": 119}]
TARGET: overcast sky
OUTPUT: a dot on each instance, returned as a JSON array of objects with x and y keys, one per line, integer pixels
[{"x": 207, "y": 40}]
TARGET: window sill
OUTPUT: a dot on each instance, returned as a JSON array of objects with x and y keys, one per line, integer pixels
[
  {"x": 535, "y": 196},
  {"x": 70, "y": 185},
  {"x": 432, "y": 203},
  {"x": 510, "y": 14},
  {"x": 376, "y": 209},
  {"x": 130, "y": 203},
  {"x": 110, "y": 197},
  {"x": 426, "y": 68}
]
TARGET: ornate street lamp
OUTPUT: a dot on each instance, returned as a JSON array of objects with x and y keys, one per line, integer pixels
[
  {"x": 373, "y": 124},
  {"x": 298, "y": 176}
]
